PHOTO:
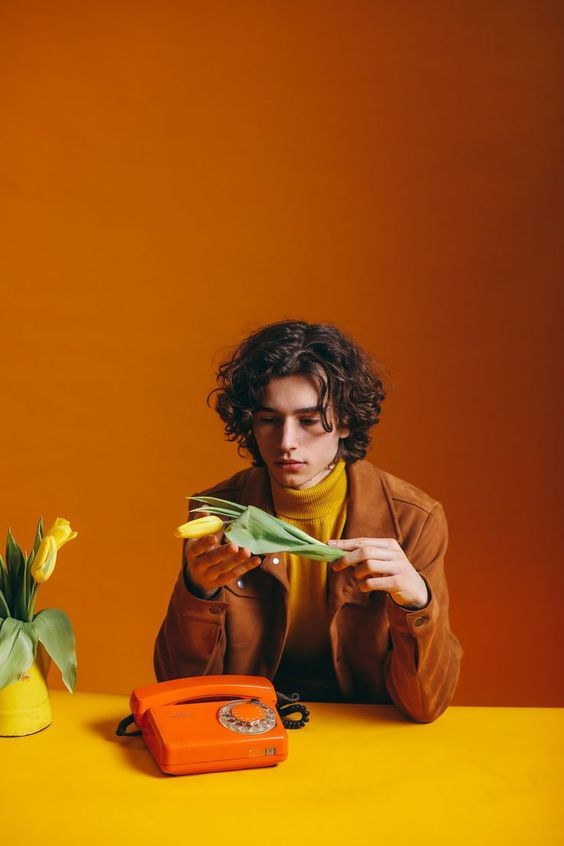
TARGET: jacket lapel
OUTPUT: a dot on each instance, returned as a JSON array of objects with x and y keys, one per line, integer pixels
[
  {"x": 370, "y": 514},
  {"x": 370, "y": 511}
]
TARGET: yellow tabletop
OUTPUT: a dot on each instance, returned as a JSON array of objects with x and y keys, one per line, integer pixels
[{"x": 355, "y": 774}]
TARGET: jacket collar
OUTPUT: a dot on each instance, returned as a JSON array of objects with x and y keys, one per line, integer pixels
[{"x": 370, "y": 511}]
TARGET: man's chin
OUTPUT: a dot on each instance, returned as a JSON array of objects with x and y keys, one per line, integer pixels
[
  {"x": 290, "y": 476},
  {"x": 302, "y": 477}
]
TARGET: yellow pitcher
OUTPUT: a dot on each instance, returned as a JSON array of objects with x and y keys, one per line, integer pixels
[{"x": 24, "y": 705}]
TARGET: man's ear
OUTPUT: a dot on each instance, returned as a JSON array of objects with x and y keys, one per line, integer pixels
[{"x": 344, "y": 432}]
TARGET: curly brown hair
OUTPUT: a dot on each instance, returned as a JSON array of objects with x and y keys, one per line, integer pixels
[{"x": 349, "y": 380}]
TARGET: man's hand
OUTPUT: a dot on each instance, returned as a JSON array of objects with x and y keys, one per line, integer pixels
[
  {"x": 211, "y": 564},
  {"x": 381, "y": 564}
]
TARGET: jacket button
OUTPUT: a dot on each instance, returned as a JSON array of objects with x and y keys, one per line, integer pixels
[
  {"x": 276, "y": 561},
  {"x": 419, "y": 621},
  {"x": 215, "y": 609},
  {"x": 241, "y": 583}
]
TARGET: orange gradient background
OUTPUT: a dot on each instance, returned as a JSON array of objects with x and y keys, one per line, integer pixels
[{"x": 177, "y": 174}]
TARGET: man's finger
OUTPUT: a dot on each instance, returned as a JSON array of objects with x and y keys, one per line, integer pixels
[
  {"x": 239, "y": 569},
  {"x": 215, "y": 557},
  {"x": 357, "y": 556},
  {"x": 230, "y": 562},
  {"x": 236, "y": 570},
  {"x": 197, "y": 546},
  {"x": 375, "y": 568},
  {"x": 384, "y": 583},
  {"x": 205, "y": 551},
  {"x": 354, "y": 543}
]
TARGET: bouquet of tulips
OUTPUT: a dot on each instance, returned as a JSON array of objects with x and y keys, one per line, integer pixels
[
  {"x": 21, "y": 630},
  {"x": 254, "y": 529}
]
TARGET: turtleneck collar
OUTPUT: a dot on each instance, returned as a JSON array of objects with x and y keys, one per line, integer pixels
[{"x": 318, "y": 501}]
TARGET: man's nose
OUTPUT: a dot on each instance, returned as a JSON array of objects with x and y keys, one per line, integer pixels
[{"x": 288, "y": 435}]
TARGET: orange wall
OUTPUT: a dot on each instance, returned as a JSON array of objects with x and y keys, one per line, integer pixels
[{"x": 177, "y": 174}]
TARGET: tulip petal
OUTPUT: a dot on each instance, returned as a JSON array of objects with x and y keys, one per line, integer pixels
[
  {"x": 44, "y": 562},
  {"x": 61, "y": 531},
  {"x": 61, "y": 543},
  {"x": 199, "y": 528}
]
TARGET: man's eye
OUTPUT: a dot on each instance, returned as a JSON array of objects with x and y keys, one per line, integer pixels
[
  {"x": 267, "y": 420},
  {"x": 309, "y": 421}
]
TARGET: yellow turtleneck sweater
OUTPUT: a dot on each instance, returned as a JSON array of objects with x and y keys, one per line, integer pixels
[{"x": 321, "y": 512}]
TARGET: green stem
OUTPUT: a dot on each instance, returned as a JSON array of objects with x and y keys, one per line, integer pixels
[
  {"x": 31, "y": 608},
  {"x": 24, "y": 592}
]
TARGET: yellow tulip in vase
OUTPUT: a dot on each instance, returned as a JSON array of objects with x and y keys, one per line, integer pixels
[{"x": 29, "y": 641}]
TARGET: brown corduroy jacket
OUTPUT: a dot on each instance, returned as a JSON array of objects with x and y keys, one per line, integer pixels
[{"x": 381, "y": 652}]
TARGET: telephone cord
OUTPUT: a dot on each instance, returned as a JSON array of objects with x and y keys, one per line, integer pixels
[
  {"x": 287, "y": 713},
  {"x": 287, "y": 707}
]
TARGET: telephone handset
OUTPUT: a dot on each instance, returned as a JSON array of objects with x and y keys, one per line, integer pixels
[{"x": 211, "y": 723}]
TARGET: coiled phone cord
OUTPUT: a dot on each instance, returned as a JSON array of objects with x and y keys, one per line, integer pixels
[{"x": 288, "y": 707}]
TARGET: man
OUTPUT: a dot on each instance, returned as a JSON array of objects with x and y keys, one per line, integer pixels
[{"x": 371, "y": 627}]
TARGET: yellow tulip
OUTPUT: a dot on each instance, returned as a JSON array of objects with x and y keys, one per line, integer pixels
[
  {"x": 44, "y": 562},
  {"x": 61, "y": 532},
  {"x": 57, "y": 536},
  {"x": 200, "y": 527}
]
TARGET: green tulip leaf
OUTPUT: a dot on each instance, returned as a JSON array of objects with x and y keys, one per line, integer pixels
[
  {"x": 3, "y": 578},
  {"x": 16, "y": 650},
  {"x": 220, "y": 503},
  {"x": 29, "y": 582},
  {"x": 263, "y": 533},
  {"x": 218, "y": 506},
  {"x": 14, "y": 555},
  {"x": 4, "y": 607},
  {"x": 38, "y": 535},
  {"x": 53, "y": 628},
  {"x": 220, "y": 512},
  {"x": 5, "y": 586},
  {"x": 16, "y": 569},
  {"x": 29, "y": 629}
]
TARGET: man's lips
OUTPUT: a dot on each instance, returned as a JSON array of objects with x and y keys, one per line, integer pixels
[{"x": 290, "y": 463}]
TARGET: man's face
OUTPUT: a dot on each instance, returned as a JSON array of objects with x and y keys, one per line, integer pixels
[{"x": 290, "y": 435}]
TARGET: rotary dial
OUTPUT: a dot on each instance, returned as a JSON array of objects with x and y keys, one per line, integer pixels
[{"x": 247, "y": 716}]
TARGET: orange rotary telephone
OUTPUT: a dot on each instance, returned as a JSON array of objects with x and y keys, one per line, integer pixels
[{"x": 211, "y": 723}]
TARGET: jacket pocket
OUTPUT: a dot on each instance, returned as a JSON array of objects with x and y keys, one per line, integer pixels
[{"x": 254, "y": 585}]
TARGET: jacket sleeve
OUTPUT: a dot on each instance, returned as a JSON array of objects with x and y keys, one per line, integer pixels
[
  {"x": 423, "y": 667},
  {"x": 191, "y": 640}
]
